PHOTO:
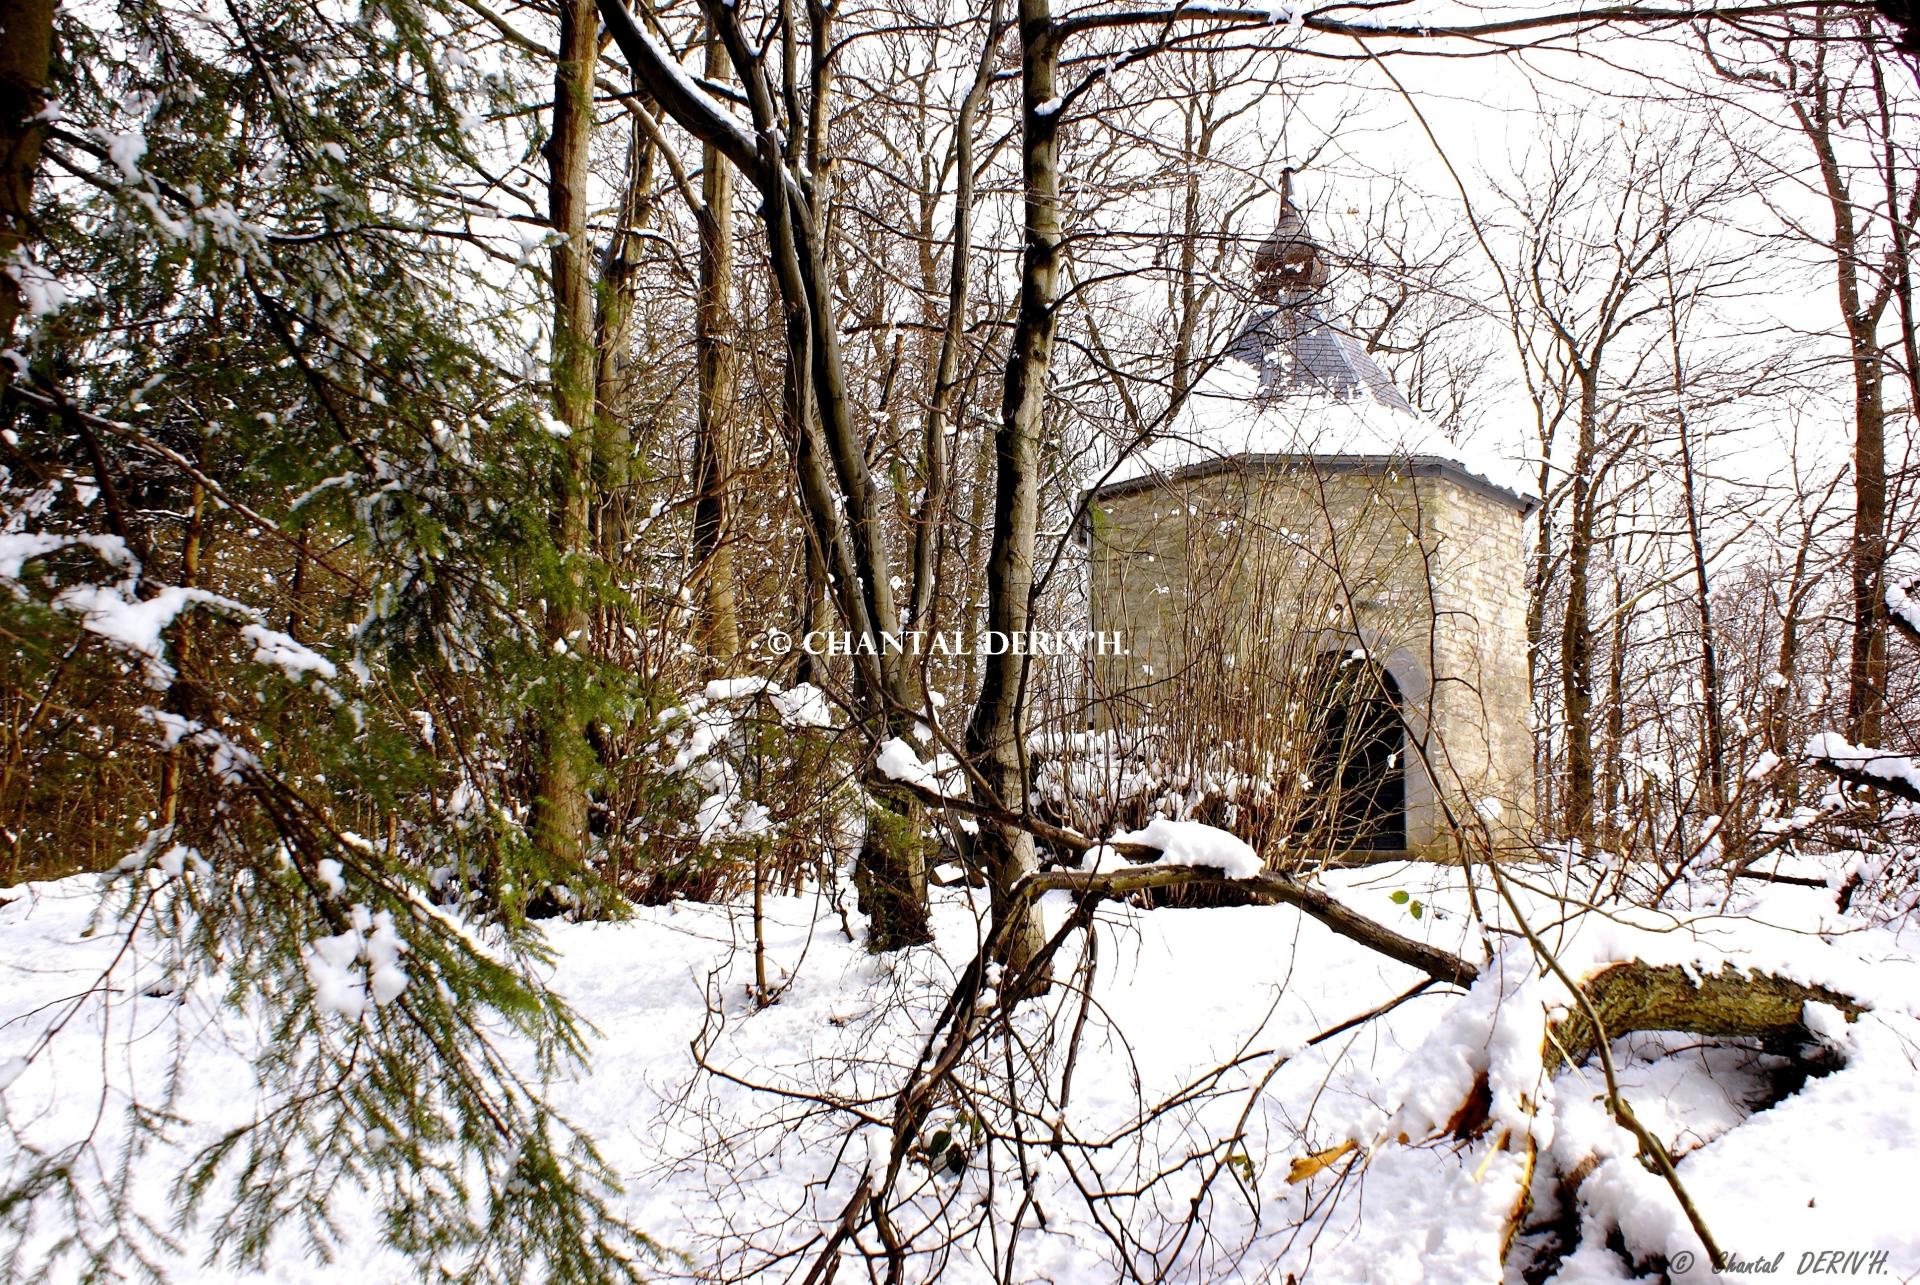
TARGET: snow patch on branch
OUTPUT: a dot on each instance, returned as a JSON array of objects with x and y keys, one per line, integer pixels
[
  {"x": 1193, "y": 843},
  {"x": 1901, "y": 605},
  {"x": 135, "y": 625},
  {"x": 1896, "y": 769},
  {"x": 1496, "y": 1030},
  {"x": 362, "y": 963},
  {"x": 898, "y": 761}
]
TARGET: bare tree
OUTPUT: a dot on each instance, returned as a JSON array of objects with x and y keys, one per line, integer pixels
[
  {"x": 1828, "y": 75},
  {"x": 560, "y": 795},
  {"x": 1596, "y": 234}
]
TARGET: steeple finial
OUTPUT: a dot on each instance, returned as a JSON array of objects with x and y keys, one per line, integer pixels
[{"x": 1289, "y": 265}]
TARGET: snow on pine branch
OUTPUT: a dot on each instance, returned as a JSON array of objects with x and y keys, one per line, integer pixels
[
  {"x": 135, "y": 625},
  {"x": 898, "y": 761}
]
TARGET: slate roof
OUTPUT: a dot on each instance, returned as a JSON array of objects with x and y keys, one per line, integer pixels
[
  {"x": 1296, "y": 350},
  {"x": 1295, "y": 388}
]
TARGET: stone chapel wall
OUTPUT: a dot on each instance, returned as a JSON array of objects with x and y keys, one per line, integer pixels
[{"x": 1227, "y": 584}]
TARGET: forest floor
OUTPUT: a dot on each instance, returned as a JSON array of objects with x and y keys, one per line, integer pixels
[{"x": 1199, "y": 1024}]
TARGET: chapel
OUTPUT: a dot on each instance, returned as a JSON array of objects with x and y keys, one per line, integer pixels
[{"x": 1322, "y": 595}]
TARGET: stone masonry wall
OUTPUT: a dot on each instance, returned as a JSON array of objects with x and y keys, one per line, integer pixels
[{"x": 1226, "y": 586}]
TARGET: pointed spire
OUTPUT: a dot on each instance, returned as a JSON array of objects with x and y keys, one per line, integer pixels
[{"x": 1289, "y": 266}]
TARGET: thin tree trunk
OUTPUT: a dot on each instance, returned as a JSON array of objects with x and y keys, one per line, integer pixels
[
  {"x": 614, "y": 301},
  {"x": 1540, "y": 581},
  {"x": 995, "y": 735},
  {"x": 1713, "y": 750},
  {"x": 560, "y": 802},
  {"x": 713, "y": 451},
  {"x": 1576, "y": 639},
  {"x": 1614, "y": 776},
  {"x": 178, "y": 700},
  {"x": 946, "y": 378},
  {"x": 26, "y": 50},
  {"x": 1867, "y": 555},
  {"x": 843, "y": 507}
]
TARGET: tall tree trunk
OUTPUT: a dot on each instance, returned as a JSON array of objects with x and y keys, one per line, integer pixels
[
  {"x": 612, "y": 514},
  {"x": 834, "y": 476},
  {"x": 26, "y": 50},
  {"x": 179, "y": 698},
  {"x": 1867, "y": 556},
  {"x": 560, "y": 802},
  {"x": 1713, "y": 750},
  {"x": 946, "y": 378},
  {"x": 1867, "y": 663},
  {"x": 713, "y": 448},
  {"x": 1614, "y": 775},
  {"x": 996, "y": 734},
  {"x": 1576, "y": 637}
]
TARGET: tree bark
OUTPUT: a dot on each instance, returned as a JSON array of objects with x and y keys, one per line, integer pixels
[
  {"x": 1265, "y": 888},
  {"x": 946, "y": 377},
  {"x": 1576, "y": 636},
  {"x": 560, "y": 802},
  {"x": 1635, "y": 996},
  {"x": 26, "y": 51},
  {"x": 611, "y": 515},
  {"x": 995, "y": 736},
  {"x": 842, "y": 504},
  {"x": 1860, "y": 315},
  {"x": 713, "y": 452}
]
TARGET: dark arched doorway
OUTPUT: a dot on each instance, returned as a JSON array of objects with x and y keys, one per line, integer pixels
[{"x": 1359, "y": 756}]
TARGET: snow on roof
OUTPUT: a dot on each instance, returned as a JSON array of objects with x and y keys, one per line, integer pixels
[
  {"x": 1292, "y": 387},
  {"x": 1287, "y": 409}
]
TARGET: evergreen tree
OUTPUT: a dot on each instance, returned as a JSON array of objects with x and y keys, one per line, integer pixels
[{"x": 274, "y": 526}]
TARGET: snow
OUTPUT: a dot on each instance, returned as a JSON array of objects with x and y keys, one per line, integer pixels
[
  {"x": 40, "y": 291},
  {"x": 1497, "y": 1032},
  {"x": 1900, "y": 602},
  {"x": 803, "y": 705},
  {"x": 284, "y": 652},
  {"x": 707, "y": 732},
  {"x": 1222, "y": 999},
  {"x": 1194, "y": 843},
  {"x": 328, "y": 872},
  {"x": 360, "y": 963},
  {"x": 898, "y": 761},
  {"x": 1227, "y": 416},
  {"x": 628, "y": 33},
  {"x": 17, "y": 548},
  {"x": 1835, "y": 748},
  {"x": 730, "y": 689},
  {"x": 135, "y": 624},
  {"x": 125, "y": 150}
]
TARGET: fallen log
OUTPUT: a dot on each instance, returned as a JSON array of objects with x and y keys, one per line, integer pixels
[
  {"x": 1270, "y": 889},
  {"x": 1635, "y": 996}
]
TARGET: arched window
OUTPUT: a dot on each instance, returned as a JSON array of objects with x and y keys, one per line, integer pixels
[{"x": 1358, "y": 767}]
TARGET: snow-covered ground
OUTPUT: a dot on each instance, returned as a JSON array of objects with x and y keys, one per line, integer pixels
[{"x": 737, "y": 1132}]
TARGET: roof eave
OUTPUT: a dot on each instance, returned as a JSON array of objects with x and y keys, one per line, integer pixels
[{"x": 1416, "y": 465}]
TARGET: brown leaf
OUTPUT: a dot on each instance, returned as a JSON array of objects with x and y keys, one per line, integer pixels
[{"x": 1307, "y": 1166}]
